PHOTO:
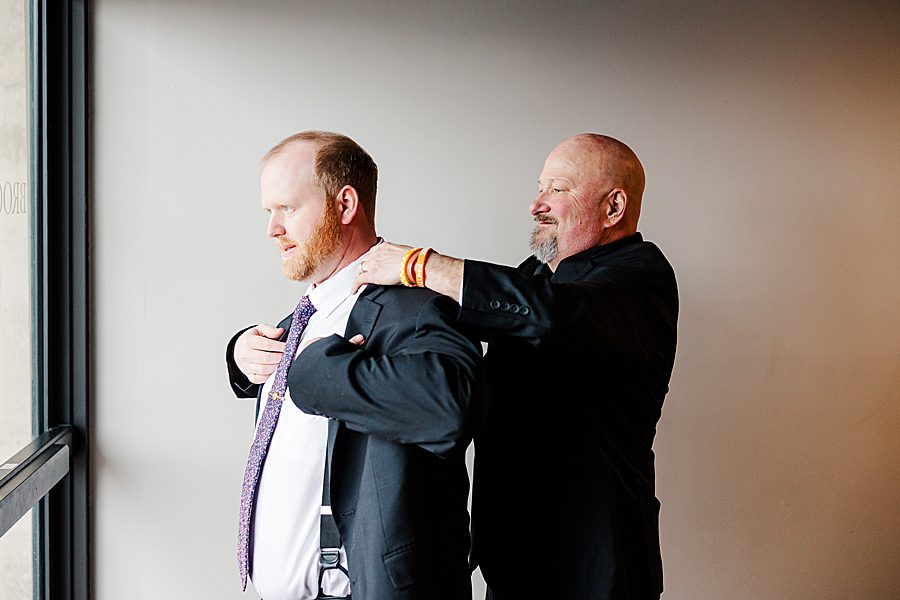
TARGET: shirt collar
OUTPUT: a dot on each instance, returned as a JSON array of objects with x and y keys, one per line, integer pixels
[{"x": 329, "y": 294}]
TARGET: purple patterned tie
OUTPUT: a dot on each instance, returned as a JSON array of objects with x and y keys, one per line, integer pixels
[{"x": 264, "y": 431}]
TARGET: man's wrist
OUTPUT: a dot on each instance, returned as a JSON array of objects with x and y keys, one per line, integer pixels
[
  {"x": 423, "y": 267},
  {"x": 444, "y": 274}
]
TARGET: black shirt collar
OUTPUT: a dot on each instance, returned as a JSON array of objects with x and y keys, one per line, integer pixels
[{"x": 572, "y": 266}]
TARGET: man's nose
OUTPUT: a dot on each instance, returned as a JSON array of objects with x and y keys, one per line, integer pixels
[
  {"x": 275, "y": 227},
  {"x": 538, "y": 205}
]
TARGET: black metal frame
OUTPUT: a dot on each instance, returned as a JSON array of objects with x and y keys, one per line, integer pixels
[
  {"x": 60, "y": 285},
  {"x": 32, "y": 472}
]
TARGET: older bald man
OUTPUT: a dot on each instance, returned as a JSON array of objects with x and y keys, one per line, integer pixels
[{"x": 582, "y": 342}]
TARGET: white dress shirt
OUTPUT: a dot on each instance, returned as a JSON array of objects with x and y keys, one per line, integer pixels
[{"x": 285, "y": 527}]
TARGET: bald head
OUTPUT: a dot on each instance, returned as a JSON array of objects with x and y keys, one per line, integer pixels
[
  {"x": 615, "y": 165},
  {"x": 589, "y": 194}
]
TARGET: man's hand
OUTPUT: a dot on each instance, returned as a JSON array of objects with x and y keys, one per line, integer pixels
[
  {"x": 257, "y": 352},
  {"x": 381, "y": 265}
]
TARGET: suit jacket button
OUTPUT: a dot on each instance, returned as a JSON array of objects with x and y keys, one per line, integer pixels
[
  {"x": 495, "y": 304},
  {"x": 514, "y": 308},
  {"x": 524, "y": 310},
  {"x": 505, "y": 306}
]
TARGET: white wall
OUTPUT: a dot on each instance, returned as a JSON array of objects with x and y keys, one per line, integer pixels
[{"x": 770, "y": 140}]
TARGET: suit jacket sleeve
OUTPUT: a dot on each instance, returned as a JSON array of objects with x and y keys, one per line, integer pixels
[
  {"x": 619, "y": 308},
  {"x": 240, "y": 385},
  {"x": 415, "y": 382}
]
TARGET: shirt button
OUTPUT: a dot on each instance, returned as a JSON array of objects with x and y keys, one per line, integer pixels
[
  {"x": 524, "y": 310},
  {"x": 495, "y": 304}
]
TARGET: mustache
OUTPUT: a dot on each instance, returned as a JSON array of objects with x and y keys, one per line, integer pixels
[
  {"x": 545, "y": 219},
  {"x": 284, "y": 242}
]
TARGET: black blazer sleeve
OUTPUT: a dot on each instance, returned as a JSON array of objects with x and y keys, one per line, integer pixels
[
  {"x": 416, "y": 381},
  {"x": 618, "y": 308},
  {"x": 240, "y": 385}
]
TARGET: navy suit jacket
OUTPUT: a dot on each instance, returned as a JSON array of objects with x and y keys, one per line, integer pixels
[{"x": 402, "y": 411}]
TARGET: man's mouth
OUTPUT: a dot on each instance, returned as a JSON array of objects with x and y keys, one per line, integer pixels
[{"x": 287, "y": 248}]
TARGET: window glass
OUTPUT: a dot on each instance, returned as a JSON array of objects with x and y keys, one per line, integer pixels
[
  {"x": 15, "y": 279},
  {"x": 16, "y": 562}
]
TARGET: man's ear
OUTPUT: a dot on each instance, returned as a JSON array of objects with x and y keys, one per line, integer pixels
[
  {"x": 348, "y": 202},
  {"x": 616, "y": 202}
]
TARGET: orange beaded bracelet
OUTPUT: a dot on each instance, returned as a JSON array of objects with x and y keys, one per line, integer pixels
[{"x": 404, "y": 267}]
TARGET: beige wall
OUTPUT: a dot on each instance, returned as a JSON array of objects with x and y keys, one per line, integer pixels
[{"x": 770, "y": 139}]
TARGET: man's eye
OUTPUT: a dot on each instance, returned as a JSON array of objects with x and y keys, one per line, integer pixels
[
  {"x": 287, "y": 209},
  {"x": 556, "y": 190}
]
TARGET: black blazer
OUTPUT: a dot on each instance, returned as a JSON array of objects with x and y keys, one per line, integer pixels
[
  {"x": 403, "y": 410},
  {"x": 578, "y": 364}
]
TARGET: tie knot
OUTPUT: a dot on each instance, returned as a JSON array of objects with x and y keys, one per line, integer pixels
[{"x": 305, "y": 307}]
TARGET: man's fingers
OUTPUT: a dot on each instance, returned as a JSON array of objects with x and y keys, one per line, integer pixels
[
  {"x": 269, "y": 331},
  {"x": 264, "y": 358},
  {"x": 262, "y": 369},
  {"x": 267, "y": 369},
  {"x": 380, "y": 265},
  {"x": 357, "y": 339},
  {"x": 259, "y": 342},
  {"x": 258, "y": 372},
  {"x": 359, "y": 282},
  {"x": 248, "y": 356}
]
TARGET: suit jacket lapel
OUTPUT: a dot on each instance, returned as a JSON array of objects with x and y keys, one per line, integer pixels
[
  {"x": 362, "y": 320},
  {"x": 364, "y": 314}
]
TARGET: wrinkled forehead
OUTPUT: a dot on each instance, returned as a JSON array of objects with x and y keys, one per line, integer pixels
[{"x": 575, "y": 161}]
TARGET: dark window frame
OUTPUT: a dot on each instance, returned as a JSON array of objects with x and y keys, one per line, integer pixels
[{"x": 60, "y": 281}]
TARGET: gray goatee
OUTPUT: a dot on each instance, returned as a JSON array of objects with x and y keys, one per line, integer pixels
[{"x": 544, "y": 250}]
